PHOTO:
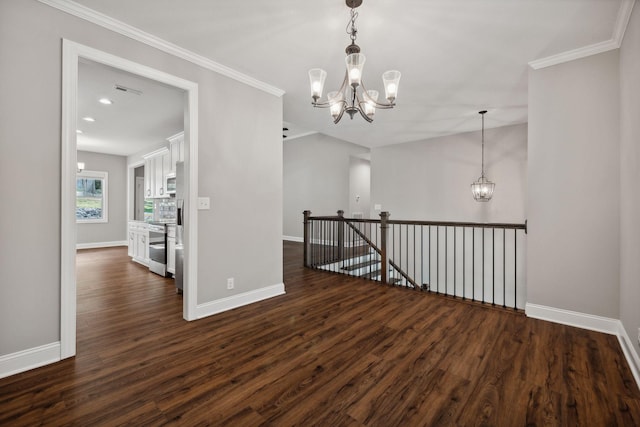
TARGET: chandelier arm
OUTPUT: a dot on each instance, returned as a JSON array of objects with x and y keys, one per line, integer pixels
[
  {"x": 381, "y": 105},
  {"x": 342, "y": 110},
  {"x": 364, "y": 116}
]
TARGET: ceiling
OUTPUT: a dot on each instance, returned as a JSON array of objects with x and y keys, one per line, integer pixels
[
  {"x": 456, "y": 56},
  {"x": 138, "y": 119}
]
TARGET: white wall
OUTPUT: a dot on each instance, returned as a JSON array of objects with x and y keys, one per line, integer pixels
[
  {"x": 431, "y": 180},
  {"x": 630, "y": 178},
  {"x": 573, "y": 207},
  {"x": 116, "y": 229},
  {"x": 240, "y": 167},
  {"x": 316, "y": 178}
]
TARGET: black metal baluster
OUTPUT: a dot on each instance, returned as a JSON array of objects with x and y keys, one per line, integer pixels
[
  {"x": 464, "y": 265},
  {"x": 414, "y": 254},
  {"x": 446, "y": 260},
  {"x": 493, "y": 261},
  {"x": 438, "y": 258},
  {"x": 483, "y": 233},
  {"x": 454, "y": 261},
  {"x": 504, "y": 270},
  {"x": 515, "y": 268},
  {"x": 473, "y": 264},
  {"x": 422, "y": 257}
]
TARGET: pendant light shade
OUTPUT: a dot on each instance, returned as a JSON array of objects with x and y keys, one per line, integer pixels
[{"x": 482, "y": 189}]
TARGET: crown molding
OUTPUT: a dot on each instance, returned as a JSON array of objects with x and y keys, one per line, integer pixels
[
  {"x": 624, "y": 14},
  {"x": 134, "y": 33}
]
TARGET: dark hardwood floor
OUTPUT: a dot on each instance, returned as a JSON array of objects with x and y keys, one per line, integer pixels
[{"x": 333, "y": 351}]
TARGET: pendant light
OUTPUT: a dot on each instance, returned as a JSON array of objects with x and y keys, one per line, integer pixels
[
  {"x": 482, "y": 189},
  {"x": 352, "y": 97}
]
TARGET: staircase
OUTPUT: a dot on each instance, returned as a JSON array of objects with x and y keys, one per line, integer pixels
[{"x": 367, "y": 266}]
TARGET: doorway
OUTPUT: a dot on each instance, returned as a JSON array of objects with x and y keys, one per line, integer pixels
[{"x": 73, "y": 53}]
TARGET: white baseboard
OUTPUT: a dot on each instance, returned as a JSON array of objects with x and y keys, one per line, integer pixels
[
  {"x": 573, "y": 318},
  {"x": 239, "y": 300},
  {"x": 293, "y": 239},
  {"x": 100, "y": 245},
  {"x": 594, "y": 323},
  {"x": 32, "y": 358},
  {"x": 629, "y": 352}
]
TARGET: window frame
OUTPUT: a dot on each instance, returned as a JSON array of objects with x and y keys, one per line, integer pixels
[{"x": 104, "y": 176}]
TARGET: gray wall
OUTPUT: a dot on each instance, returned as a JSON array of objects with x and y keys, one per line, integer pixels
[
  {"x": 629, "y": 178},
  {"x": 316, "y": 177},
  {"x": 573, "y": 253},
  {"x": 359, "y": 186},
  {"x": 431, "y": 180},
  {"x": 116, "y": 229},
  {"x": 240, "y": 167}
]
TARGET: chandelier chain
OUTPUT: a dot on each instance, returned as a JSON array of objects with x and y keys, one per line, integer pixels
[{"x": 351, "y": 26}]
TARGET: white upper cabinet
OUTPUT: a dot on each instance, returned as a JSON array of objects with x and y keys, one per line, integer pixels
[
  {"x": 156, "y": 168},
  {"x": 176, "y": 150}
]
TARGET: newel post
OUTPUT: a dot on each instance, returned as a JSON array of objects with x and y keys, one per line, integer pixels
[
  {"x": 340, "y": 234},
  {"x": 384, "y": 265},
  {"x": 307, "y": 239}
]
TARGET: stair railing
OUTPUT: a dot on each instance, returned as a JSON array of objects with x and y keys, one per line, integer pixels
[{"x": 476, "y": 261}]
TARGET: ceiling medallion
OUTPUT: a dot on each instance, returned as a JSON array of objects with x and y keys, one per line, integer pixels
[{"x": 353, "y": 97}]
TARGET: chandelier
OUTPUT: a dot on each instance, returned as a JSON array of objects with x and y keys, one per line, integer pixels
[
  {"x": 353, "y": 97},
  {"x": 482, "y": 189}
]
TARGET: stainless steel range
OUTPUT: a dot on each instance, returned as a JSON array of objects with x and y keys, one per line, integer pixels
[{"x": 158, "y": 248}]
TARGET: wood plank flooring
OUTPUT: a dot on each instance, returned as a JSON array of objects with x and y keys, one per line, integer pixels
[{"x": 333, "y": 351}]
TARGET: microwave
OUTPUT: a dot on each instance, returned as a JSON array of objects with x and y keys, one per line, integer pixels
[{"x": 170, "y": 184}]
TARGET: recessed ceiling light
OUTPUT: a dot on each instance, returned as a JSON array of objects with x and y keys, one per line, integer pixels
[
  {"x": 88, "y": 119},
  {"x": 78, "y": 131},
  {"x": 105, "y": 101}
]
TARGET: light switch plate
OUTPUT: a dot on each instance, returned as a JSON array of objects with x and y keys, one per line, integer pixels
[
  {"x": 377, "y": 207},
  {"x": 204, "y": 203}
]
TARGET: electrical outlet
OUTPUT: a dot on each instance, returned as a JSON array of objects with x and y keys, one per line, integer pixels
[
  {"x": 230, "y": 283},
  {"x": 638, "y": 336}
]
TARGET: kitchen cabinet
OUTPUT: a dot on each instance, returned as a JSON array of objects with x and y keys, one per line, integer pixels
[
  {"x": 171, "y": 249},
  {"x": 176, "y": 151},
  {"x": 138, "y": 248},
  {"x": 156, "y": 166}
]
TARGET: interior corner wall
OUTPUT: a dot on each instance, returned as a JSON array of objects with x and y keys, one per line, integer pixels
[
  {"x": 239, "y": 167},
  {"x": 359, "y": 187},
  {"x": 116, "y": 229},
  {"x": 315, "y": 178},
  {"x": 629, "y": 178},
  {"x": 573, "y": 186},
  {"x": 431, "y": 180}
]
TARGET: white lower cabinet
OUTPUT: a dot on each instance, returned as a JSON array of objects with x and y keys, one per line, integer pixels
[
  {"x": 138, "y": 242},
  {"x": 171, "y": 250}
]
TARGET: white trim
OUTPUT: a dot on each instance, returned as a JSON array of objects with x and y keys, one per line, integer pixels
[
  {"x": 300, "y": 135},
  {"x": 97, "y": 245},
  {"x": 71, "y": 53},
  {"x": 624, "y": 14},
  {"x": 629, "y": 352},
  {"x": 293, "y": 239},
  {"x": 574, "y": 54},
  {"x": 68, "y": 232},
  {"x": 573, "y": 318},
  {"x": 32, "y": 358},
  {"x": 134, "y": 33},
  {"x": 239, "y": 300}
]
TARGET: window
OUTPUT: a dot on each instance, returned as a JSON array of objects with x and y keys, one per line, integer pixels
[{"x": 91, "y": 196}]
